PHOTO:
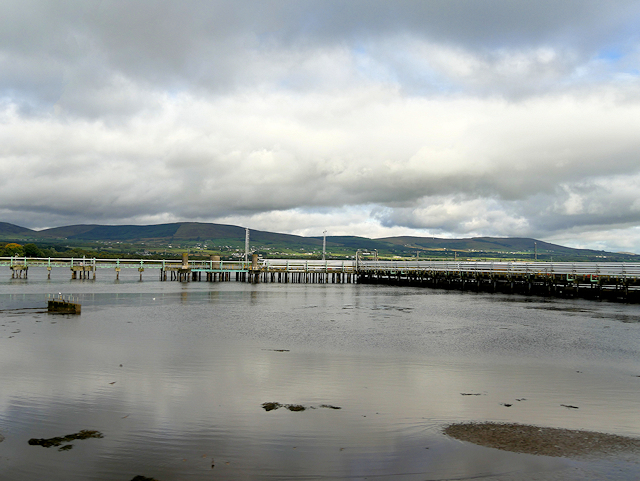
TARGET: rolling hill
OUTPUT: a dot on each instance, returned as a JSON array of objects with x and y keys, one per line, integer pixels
[{"x": 230, "y": 235}]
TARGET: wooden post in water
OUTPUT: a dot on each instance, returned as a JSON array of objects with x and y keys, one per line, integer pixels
[
  {"x": 215, "y": 261},
  {"x": 254, "y": 275}
]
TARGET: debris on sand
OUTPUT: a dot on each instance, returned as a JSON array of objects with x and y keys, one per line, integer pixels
[
  {"x": 57, "y": 441},
  {"x": 272, "y": 406},
  {"x": 143, "y": 478},
  {"x": 527, "y": 439},
  {"x": 569, "y": 406},
  {"x": 471, "y": 394}
]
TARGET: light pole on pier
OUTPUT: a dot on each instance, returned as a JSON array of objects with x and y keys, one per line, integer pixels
[
  {"x": 324, "y": 245},
  {"x": 246, "y": 244}
]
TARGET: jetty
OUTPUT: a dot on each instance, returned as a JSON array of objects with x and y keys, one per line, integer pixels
[
  {"x": 613, "y": 281},
  {"x": 63, "y": 304}
]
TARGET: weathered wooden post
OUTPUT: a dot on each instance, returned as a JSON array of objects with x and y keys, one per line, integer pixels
[
  {"x": 254, "y": 274},
  {"x": 215, "y": 260}
]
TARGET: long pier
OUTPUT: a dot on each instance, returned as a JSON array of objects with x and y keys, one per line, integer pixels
[
  {"x": 613, "y": 281},
  {"x": 186, "y": 270}
]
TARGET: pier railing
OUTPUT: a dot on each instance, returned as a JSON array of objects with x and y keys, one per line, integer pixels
[
  {"x": 267, "y": 265},
  {"x": 601, "y": 280},
  {"x": 310, "y": 266},
  {"x": 613, "y": 269}
]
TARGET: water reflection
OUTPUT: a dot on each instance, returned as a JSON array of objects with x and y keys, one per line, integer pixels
[{"x": 175, "y": 374}]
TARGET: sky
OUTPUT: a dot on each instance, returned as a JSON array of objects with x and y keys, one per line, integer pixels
[{"x": 442, "y": 118}]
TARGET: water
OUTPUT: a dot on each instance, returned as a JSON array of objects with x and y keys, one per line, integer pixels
[{"x": 174, "y": 376}]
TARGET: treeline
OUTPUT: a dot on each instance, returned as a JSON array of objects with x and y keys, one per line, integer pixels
[{"x": 13, "y": 249}]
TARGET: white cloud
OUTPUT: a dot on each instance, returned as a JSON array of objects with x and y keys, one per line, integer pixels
[{"x": 495, "y": 119}]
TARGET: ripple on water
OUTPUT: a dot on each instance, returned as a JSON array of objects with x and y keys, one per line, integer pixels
[{"x": 175, "y": 375}]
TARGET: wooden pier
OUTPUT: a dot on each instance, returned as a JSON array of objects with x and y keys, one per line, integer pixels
[
  {"x": 602, "y": 281},
  {"x": 613, "y": 281}
]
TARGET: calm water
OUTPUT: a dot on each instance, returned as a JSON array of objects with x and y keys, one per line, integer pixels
[{"x": 174, "y": 375}]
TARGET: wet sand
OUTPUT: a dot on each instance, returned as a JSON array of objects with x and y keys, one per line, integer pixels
[{"x": 544, "y": 441}]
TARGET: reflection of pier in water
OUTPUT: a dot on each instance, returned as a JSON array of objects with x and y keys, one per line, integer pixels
[{"x": 614, "y": 281}]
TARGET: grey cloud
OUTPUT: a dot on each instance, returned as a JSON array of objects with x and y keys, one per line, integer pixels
[
  {"x": 194, "y": 158},
  {"x": 487, "y": 117},
  {"x": 216, "y": 46}
]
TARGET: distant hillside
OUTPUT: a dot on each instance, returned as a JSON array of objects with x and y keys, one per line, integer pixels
[
  {"x": 230, "y": 236},
  {"x": 486, "y": 244},
  {"x": 168, "y": 232},
  {"x": 7, "y": 229},
  {"x": 111, "y": 232},
  {"x": 358, "y": 242}
]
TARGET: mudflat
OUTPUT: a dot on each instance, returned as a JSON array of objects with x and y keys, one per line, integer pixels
[{"x": 528, "y": 439}]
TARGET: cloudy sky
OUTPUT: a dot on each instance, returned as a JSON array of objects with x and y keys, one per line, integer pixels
[{"x": 437, "y": 118}]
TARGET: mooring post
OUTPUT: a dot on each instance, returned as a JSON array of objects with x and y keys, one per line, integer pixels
[
  {"x": 215, "y": 260},
  {"x": 254, "y": 275}
]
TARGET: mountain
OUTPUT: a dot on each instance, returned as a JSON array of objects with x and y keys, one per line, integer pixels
[
  {"x": 485, "y": 244},
  {"x": 195, "y": 231},
  {"x": 7, "y": 229},
  {"x": 230, "y": 236}
]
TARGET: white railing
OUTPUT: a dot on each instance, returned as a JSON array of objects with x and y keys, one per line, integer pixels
[
  {"x": 63, "y": 298},
  {"x": 613, "y": 269},
  {"x": 310, "y": 266}
]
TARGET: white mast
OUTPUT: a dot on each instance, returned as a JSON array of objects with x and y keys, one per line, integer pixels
[
  {"x": 246, "y": 244},
  {"x": 324, "y": 245}
]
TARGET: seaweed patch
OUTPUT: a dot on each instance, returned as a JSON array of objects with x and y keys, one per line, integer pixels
[
  {"x": 59, "y": 440},
  {"x": 272, "y": 406}
]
